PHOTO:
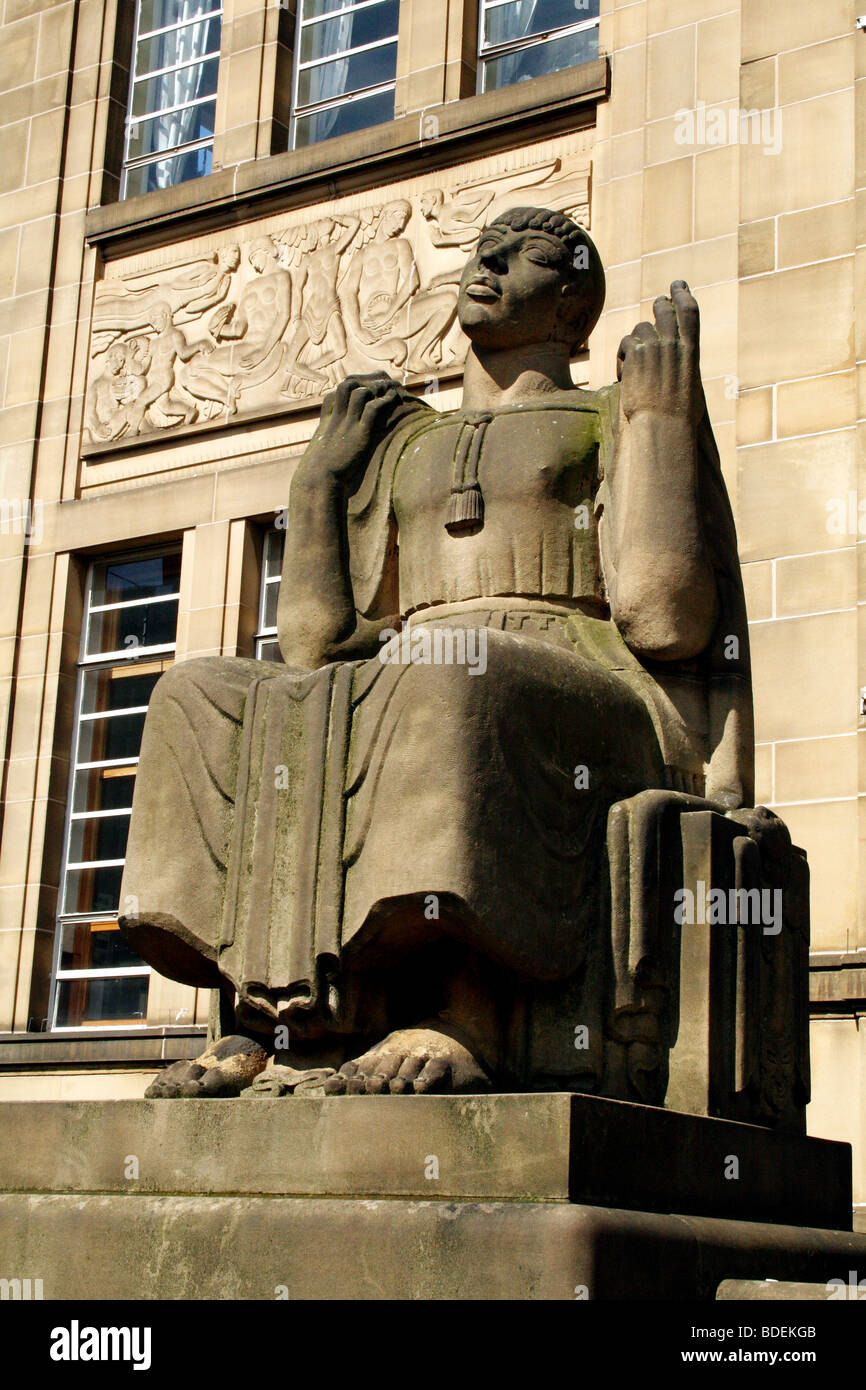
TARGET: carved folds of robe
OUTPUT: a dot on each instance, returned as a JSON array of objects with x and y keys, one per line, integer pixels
[{"x": 293, "y": 831}]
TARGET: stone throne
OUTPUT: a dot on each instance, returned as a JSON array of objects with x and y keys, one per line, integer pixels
[{"x": 532, "y": 868}]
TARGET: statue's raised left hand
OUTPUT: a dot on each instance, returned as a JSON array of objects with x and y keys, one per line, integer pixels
[{"x": 658, "y": 365}]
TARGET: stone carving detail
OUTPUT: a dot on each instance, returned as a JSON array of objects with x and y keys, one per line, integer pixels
[{"x": 278, "y": 320}]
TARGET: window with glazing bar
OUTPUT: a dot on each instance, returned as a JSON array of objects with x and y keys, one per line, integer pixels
[
  {"x": 267, "y": 646},
  {"x": 519, "y": 39},
  {"x": 130, "y": 628},
  {"x": 172, "y": 93},
  {"x": 345, "y": 67}
]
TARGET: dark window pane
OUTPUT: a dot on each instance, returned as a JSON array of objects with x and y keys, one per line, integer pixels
[
  {"x": 330, "y": 80},
  {"x": 270, "y": 651},
  {"x": 541, "y": 58},
  {"x": 95, "y": 946},
  {"x": 130, "y": 629},
  {"x": 174, "y": 128},
  {"x": 93, "y": 890},
  {"x": 156, "y": 14},
  {"x": 178, "y": 46},
  {"x": 350, "y": 31},
  {"x": 341, "y": 120},
  {"x": 104, "y": 740},
  {"x": 119, "y": 687},
  {"x": 521, "y": 21},
  {"x": 115, "y": 581},
  {"x": 103, "y": 837},
  {"x": 275, "y": 544},
  {"x": 165, "y": 173},
  {"x": 103, "y": 789},
  {"x": 269, "y": 617},
  {"x": 112, "y": 999}
]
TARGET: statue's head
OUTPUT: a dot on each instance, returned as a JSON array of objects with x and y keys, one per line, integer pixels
[
  {"x": 261, "y": 253},
  {"x": 395, "y": 217},
  {"x": 432, "y": 199},
  {"x": 160, "y": 316},
  {"x": 115, "y": 358},
  {"x": 536, "y": 276}
]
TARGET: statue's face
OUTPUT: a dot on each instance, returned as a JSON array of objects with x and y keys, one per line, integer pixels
[
  {"x": 511, "y": 291},
  {"x": 395, "y": 219}
]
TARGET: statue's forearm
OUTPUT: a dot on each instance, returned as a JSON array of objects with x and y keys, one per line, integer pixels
[
  {"x": 665, "y": 601},
  {"x": 316, "y": 608}
]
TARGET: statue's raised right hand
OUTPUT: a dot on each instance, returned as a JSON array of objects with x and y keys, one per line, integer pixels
[{"x": 352, "y": 421}]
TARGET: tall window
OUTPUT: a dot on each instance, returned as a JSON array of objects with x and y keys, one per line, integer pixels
[
  {"x": 172, "y": 95},
  {"x": 267, "y": 646},
  {"x": 345, "y": 67},
  {"x": 130, "y": 626},
  {"x": 519, "y": 39}
]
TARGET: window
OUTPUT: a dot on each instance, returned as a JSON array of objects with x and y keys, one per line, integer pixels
[
  {"x": 345, "y": 67},
  {"x": 267, "y": 646},
  {"x": 519, "y": 39},
  {"x": 128, "y": 641},
  {"x": 172, "y": 94}
]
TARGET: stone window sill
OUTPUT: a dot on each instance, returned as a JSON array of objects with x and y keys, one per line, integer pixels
[{"x": 140, "y": 1046}]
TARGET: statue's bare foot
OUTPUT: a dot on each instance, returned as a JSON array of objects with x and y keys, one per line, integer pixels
[
  {"x": 224, "y": 1069},
  {"x": 411, "y": 1061}
]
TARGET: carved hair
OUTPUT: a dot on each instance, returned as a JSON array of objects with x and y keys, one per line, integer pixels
[{"x": 580, "y": 313}]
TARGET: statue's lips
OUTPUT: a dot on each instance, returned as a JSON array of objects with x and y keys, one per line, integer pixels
[{"x": 482, "y": 289}]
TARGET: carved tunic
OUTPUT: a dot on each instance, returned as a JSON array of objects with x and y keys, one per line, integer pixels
[{"x": 535, "y": 469}]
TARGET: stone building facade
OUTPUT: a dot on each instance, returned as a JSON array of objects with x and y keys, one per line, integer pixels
[{"x": 209, "y": 213}]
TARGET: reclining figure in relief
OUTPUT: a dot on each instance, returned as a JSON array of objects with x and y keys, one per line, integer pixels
[{"x": 430, "y": 852}]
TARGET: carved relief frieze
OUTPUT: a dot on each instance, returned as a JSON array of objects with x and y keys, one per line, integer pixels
[{"x": 274, "y": 319}]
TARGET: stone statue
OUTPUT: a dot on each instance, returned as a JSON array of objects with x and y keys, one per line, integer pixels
[{"x": 442, "y": 847}]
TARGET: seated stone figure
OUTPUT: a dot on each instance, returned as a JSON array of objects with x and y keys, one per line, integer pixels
[{"x": 501, "y": 625}]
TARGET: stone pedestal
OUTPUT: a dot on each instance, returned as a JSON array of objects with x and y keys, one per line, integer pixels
[{"x": 510, "y": 1196}]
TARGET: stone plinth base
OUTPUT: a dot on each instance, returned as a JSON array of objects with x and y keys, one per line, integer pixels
[{"x": 536, "y": 1196}]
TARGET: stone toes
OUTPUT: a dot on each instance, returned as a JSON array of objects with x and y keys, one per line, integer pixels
[
  {"x": 168, "y": 1085},
  {"x": 216, "y": 1083},
  {"x": 436, "y": 1076},
  {"x": 411, "y": 1067},
  {"x": 376, "y": 1085},
  {"x": 335, "y": 1085},
  {"x": 385, "y": 1064}
]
